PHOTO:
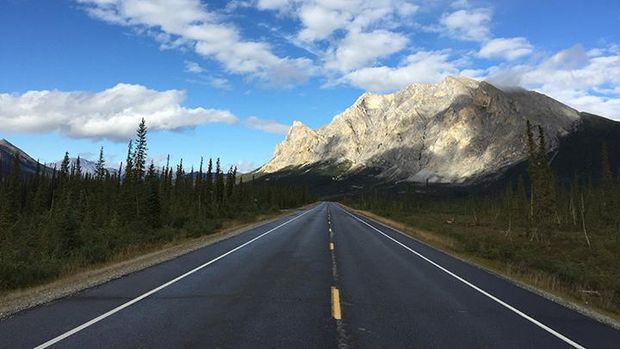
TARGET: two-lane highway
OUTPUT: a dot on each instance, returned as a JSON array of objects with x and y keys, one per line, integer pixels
[{"x": 319, "y": 278}]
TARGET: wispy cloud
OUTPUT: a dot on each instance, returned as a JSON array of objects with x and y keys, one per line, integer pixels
[
  {"x": 506, "y": 48},
  {"x": 193, "y": 67},
  {"x": 270, "y": 126},
  {"x": 188, "y": 23}
]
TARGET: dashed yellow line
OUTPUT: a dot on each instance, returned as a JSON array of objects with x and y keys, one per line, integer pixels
[
  {"x": 336, "y": 314},
  {"x": 331, "y": 246}
]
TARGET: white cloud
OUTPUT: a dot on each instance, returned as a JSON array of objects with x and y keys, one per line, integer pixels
[
  {"x": 358, "y": 50},
  {"x": 220, "y": 83},
  {"x": 213, "y": 81},
  {"x": 469, "y": 25},
  {"x": 586, "y": 80},
  {"x": 245, "y": 166},
  {"x": 322, "y": 18},
  {"x": 506, "y": 48},
  {"x": 270, "y": 126},
  {"x": 113, "y": 113},
  {"x": 347, "y": 35},
  {"x": 423, "y": 66},
  {"x": 193, "y": 67},
  {"x": 188, "y": 23}
]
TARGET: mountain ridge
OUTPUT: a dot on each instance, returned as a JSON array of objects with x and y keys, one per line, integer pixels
[{"x": 456, "y": 131}]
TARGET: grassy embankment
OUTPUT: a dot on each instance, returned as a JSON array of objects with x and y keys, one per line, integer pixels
[
  {"x": 118, "y": 247},
  {"x": 78, "y": 273},
  {"x": 563, "y": 265}
]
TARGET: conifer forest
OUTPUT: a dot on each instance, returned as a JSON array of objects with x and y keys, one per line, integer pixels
[{"x": 62, "y": 219}]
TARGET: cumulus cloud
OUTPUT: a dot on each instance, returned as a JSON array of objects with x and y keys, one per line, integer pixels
[
  {"x": 424, "y": 66},
  {"x": 586, "y": 80},
  {"x": 470, "y": 25},
  {"x": 270, "y": 126},
  {"x": 358, "y": 50},
  {"x": 506, "y": 48},
  {"x": 112, "y": 113},
  {"x": 188, "y": 23}
]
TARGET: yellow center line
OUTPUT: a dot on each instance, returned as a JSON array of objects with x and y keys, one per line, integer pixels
[
  {"x": 336, "y": 304},
  {"x": 331, "y": 246}
]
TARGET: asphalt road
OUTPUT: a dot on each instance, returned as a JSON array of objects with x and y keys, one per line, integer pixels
[{"x": 320, "y": 278}]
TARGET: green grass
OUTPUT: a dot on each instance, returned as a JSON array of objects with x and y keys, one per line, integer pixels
[{"x": 562, "y": 264}]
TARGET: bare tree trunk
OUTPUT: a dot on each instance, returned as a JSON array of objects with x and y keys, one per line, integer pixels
[{"x": 583, "y": 221}]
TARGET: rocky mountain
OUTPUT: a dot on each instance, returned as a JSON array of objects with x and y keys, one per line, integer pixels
[
  {"x": 29, "y": 165},
  {"x": 87, "y": 166},
  {"x": 7, "y": 156},
  {"x": 457, "y": 132}
]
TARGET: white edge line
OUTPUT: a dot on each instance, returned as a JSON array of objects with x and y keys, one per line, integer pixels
[
  {"x": 141, "y": 297},
  {"x": 510, "y": 307}
]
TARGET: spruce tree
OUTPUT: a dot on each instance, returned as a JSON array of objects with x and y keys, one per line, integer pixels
[
  {"x": 209, "y": 182},
  {"x": 11, "y": 207},
  {"x": 153, "y": 204},
  {"x": 78, "y": 167},
  {"x": 219, "y": 184},
  {"x": 64, "y": 167},
  {"x": 139, "y": 160},
  {"x": 100, "y": 171},
  {"x": 547, "y": 208}
]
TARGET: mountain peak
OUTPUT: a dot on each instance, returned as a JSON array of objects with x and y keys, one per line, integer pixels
[{"x": 451, "y": 132}]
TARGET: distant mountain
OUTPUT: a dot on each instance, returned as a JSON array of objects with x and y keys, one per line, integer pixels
[
  {"x": 7, "y": 155},
  {"x": 29, "y": 165},
  {"x": 460, "y": 132},
  {"x": 87, "y": 166}
]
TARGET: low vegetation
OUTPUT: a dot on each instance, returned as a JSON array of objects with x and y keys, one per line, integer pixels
[
  {"x": 563, "y": 238},
  {"x": 51, "y": 224}
]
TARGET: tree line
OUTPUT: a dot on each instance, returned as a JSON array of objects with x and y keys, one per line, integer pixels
[
  {"x": 569, "y": 229},
  {"x": 52, "y": 222}
]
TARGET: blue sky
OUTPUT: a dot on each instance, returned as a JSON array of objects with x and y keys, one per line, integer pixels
[{"x": 226, "y": 78}]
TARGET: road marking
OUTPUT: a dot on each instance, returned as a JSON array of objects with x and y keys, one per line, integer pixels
[
  {"x": 331, "y": 246},
  {"x": 336, "y": 304},
  {"x": 492, "y": 297},
  {"x": 141, "y": 297}
]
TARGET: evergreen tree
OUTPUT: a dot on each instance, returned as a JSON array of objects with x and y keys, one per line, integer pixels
[
  {"x": 219, "y": 184},
  {"x": 11, "y": 206},
  {"x": 230, "y": 181},
  {"x": 209, "y": 182},
  {"x": 547, "y": 208},
  {"x": 100, "y": 171},
  {"x": 78, "y": 167},
  {"x": 64, "y": 167},
  {"x": 129, "y": 167},
  {"x": 139, "y": 160},
  {"x": 153, "y": 205}
]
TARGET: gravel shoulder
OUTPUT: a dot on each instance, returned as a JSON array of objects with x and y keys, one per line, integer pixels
[
  {"x": 22, "y": 299},
  {"x": 431, "y": 239}
]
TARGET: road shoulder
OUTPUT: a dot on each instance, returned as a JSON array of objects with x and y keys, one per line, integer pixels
[
  {"x": 444, "y": 245},
  {"x": 22, "y": 299}
]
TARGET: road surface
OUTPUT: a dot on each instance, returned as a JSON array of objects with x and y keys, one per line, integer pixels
[{"x": 320, "y": 278}]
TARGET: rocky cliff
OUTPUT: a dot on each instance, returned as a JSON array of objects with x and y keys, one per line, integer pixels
[{"x": 451, "y": 132}]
